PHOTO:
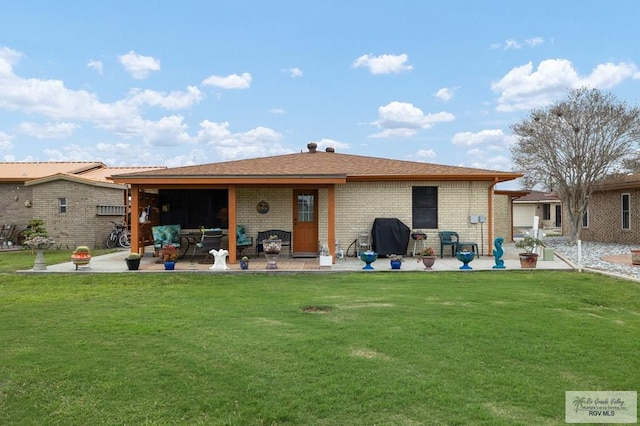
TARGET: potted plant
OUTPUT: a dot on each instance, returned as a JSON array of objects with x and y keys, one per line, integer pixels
[
  {"x": 465, "y": 256},
  {"x": 169, "y": 256},
  {"x": 528, "y": 259},
  {"x": 427, "y": 257},
  {"x": 271, "y": 249},
  {"x": 395, "y": 260},
  {"x": 81, "y": 256},
  {"x": 37, "y": 239},
  {"x": 133, "y": 261},
  {"x": 273, "y": 245},
  {"x": 244, "y": 262}
]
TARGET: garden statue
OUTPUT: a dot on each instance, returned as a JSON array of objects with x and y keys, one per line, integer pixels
[
  {"x": 220, "y": 257},
  {"x": 498, "y": 252}
]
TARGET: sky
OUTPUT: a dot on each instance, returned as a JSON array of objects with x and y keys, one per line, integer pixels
[{"x": 138, "y": 83}]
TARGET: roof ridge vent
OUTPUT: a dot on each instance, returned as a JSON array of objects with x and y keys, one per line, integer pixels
[
  {"x": 312, "y": 146},
  {"x": 330, "y": 149}
]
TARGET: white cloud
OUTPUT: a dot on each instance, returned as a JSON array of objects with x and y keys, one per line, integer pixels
[
  {"x": 294, "y": 72},
  {"x": 515, "y": 44},
  {"x": 534, "y": 41},
  {"x": 330, "y": 143},
  {"x": 172, "y": 101},
  {"x": 5, "y": 142},
  {"x": 232, "y": 81},
  {"x": 8, "y": 58},
  {"x": 96, "y": 65},
  {"x": 139, "y": 66},
  {"x": 484, "y": 138},
  {"x": 512, "y": 44},
  {"x": 427, "y": 154},
  {"x": 400, "y": 119},
  {"x": 383, "y": 64},
  {"x": 258, "y": 142},
  {"x": 522, "y": 88},
  {"x": 394, "y": 133},
  {"x": 277, "y": 111},
  {"x": 168, "y": 131},
  {"x": 48, "y": 130},
  {"x": 445, "y": 94}
]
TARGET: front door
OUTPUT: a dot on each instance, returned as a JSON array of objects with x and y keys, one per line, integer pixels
[{"x": 305, "y": 223}]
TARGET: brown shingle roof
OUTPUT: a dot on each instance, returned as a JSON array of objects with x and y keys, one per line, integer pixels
[
  {"x": 538, "y": 196},
  {"x": 323, "y": 164}
]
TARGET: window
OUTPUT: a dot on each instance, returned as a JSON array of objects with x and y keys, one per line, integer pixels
[
  {"x": 626, "y": 211},
  {"x": 62, "y": 205},
  {"x": 546, "y": 211},
  {"x": 585, "y": 218},
  {"x": 425, "y": 207}
]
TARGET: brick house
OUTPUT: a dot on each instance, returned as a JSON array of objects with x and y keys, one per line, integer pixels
[
  {"x": 547, "y": 206},
  {"x": 76, "y": 200},
  {"x": 321, "y": 197},
  {"x": 612, "y": 212}
]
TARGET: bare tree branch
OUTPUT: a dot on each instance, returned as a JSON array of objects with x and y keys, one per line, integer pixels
[{"x": 574, "y": 143}]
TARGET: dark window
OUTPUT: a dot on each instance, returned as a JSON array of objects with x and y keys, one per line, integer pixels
[
  {"x": 585, "y": 218},
  {"x": 194, "y": 208},
  {"x": 546, "y": 211},
  {"x": 425, "y": 207},
  {"x": 62, "y": 205},
  {"x": 626, "y": 211}
]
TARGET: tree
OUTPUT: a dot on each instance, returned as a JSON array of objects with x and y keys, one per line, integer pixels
[{"x": 573, "y": 144}]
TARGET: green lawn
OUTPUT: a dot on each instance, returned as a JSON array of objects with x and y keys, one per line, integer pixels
[{"x": 492, "y": 348}]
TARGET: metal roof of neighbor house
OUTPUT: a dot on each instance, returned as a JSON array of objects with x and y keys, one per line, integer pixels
[
  {"x": 75, "y": 178},
  {"x": 321, "y": 165},
  {"x": 105, "y": 174},
  {"x": 25, "y": 171}
]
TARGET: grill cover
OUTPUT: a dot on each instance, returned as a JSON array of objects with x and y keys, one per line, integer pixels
[{"x": 390, "y": 236}]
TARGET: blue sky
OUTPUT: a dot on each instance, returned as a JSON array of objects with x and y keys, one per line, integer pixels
[{"x": 192, "y": 82}]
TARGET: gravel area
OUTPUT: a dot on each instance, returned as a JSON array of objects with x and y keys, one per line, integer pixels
[{"x": 618, "y": 256}]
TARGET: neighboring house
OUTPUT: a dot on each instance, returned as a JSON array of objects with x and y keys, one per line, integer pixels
[
  {"x": 321, "y": 197},
  {"x": 613, "y": 212},
  {"x": 76, "y": 200},
  {"x": 547, "y": 206},
  {"x": 504, "y": 212}
]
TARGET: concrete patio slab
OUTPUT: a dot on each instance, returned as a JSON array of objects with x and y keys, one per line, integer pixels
[{"x": 114, "y": 262}]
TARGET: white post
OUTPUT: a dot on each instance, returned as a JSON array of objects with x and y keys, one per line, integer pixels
[
  {"x": 579, "y": 256},
  {"x": 536, "y": 221}
]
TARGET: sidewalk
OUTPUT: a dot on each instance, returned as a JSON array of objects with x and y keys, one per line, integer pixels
[{"x": 114, "y": 262}]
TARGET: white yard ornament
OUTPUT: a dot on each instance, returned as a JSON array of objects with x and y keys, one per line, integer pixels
[{"x": 220, "y": 258}]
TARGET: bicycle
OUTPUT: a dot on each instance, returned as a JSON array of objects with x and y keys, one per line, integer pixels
[{"x": 119, "y": 235}]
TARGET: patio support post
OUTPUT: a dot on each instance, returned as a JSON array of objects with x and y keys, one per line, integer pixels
[
  {"x": 331, "y": 221},
  {"x": 135, "y": 223},
  {"x": 231, "y": 202}
]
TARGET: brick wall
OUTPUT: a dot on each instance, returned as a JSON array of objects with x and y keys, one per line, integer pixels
[
  {"x": 359, "y": 203},
  {"x": 605, "y": 218},
  {"x": 14, "y": 211},
  {"x": 80, "y": 225},
  {"x": 502, "y": 217}
]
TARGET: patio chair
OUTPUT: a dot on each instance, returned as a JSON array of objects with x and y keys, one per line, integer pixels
[
  {"x": 6, "y": 232},
  {"x": 448, "y": 238},
  {"x": 164, "y": 235},
  {"x": 242, "y": 240},
  {"x": 211, "y": 240}
]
